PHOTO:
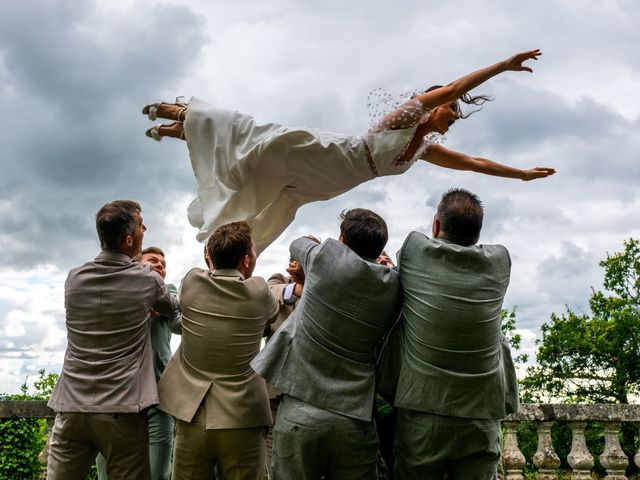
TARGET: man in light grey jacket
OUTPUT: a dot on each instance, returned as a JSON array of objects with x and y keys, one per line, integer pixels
[
  {"x": 454, "y": 372},
  {"x": 323, "y": 357},
  {"x": 107, "y": 380}
]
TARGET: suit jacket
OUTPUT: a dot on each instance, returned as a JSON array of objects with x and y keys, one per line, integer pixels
[
  {"x": 324, "y": 354},
  {"x": 448, "y": 353},
  {"x": 224, "y": 317},
  {"x": 161, "y": 329},
  {"x": 108, "y": 365},
  {"x": 277, "y": 283}
]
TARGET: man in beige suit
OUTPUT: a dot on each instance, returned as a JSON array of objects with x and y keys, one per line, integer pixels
[
  {"x": 107, "y": 380},
  {"x": 287, "y": 290},
  {"x": 221, "y": 405}
]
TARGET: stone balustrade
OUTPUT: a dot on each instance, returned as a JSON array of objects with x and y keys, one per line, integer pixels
[
  {"x": 581, "y": 461},
  {"x": 576, "y": 416}
]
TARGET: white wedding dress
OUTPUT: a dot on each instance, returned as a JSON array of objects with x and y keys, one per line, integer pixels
[{"x": 262, "y": 174}]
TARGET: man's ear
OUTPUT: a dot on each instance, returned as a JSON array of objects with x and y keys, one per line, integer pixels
[
  {"x": 341, "y": 239},
  {"x": 436, "y": 227},
  {"x": 246, "y": 261}
]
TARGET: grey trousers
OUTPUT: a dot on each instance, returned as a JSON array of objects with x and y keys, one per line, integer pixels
[
  {"x": 76, "y": 439},
  {"x": 430, "y": 446},
  {"x": 309, "y": 443}
]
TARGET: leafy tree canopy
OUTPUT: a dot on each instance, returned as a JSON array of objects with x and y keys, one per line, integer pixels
[{"x": 594, "y": 358}]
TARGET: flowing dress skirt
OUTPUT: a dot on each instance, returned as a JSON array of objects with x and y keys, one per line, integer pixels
[{"x": 262, "y": 174}]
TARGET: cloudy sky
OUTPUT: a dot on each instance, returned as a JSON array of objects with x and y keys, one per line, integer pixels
[{"x": 74, "y": 75}]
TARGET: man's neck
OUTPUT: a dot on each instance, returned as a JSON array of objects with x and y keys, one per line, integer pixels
[{"x": 458, "y": 240}]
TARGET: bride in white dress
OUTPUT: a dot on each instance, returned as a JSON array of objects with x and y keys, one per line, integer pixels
[{"x": 262, "y": 173}]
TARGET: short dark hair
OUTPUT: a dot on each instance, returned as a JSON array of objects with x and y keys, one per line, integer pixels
[
  {"x": 460, "y": 213},
  {"x": 364, "y": 231},
  {"x": 115, "y": 220},
  {"x": 152, "y": 249},
  {"x": 229, "y": 243}
]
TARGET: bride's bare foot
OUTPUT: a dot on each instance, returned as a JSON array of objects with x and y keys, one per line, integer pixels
[
  {"x": 175, "y": 130},
  {"x": 170, "y": 111}
]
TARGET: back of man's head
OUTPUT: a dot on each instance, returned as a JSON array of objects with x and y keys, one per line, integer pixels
[
  {"x": 228, "y": 245},
  {"x": 116, "y": 220},
  {"x": 460, "y": 213},
  {"x": 364, "y": 232}
]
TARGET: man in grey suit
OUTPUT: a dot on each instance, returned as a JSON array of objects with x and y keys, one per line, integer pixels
[
  {"x": 455, "y": 375},
  {"x": 221, "y": 405},
  {"x": 161, "y": 425},
  {"x": 107, "y": 380},
  {"x": 323, "y": 357}
]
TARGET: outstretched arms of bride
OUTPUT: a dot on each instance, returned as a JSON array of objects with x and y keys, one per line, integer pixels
[
  {"x": 443, "y": 157},
  {"x": 409, "y": 113},
  {"x": 459, "y": 87}
]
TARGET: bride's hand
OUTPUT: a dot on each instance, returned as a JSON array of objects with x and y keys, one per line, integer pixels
[
  {"x": 537, "y": 172},
  {"x": 514, "y": 63}
]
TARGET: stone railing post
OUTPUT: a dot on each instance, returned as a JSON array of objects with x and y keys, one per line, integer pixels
[
  {"x": 613, "y": 458},
  {"x": 579, "y": 459},
  {"x": 545, "y": 457},
  {"x": 636, "y": 457},
  {"x": 513, "y": 460}
]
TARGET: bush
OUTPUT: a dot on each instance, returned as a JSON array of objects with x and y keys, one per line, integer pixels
[{"x": 22, "y": 440}]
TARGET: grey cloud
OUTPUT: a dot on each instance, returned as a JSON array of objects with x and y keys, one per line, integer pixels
[{"x": 79, "y": 81}]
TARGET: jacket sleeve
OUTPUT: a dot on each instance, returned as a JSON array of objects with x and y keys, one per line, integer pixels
[
  {"x": 277, "y": 283},
  {"x": 304, "y": 251},
  {"x": 165, "y": 303}
]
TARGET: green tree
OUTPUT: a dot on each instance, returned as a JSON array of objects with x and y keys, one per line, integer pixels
[
  {"x": 513, "y": 338},
  {"x": 594, "y": 358}
]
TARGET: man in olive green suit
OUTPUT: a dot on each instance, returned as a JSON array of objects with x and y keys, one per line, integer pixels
[
  {"x": 220, "y": 404},
  {"x": 323, "y": 359},
  {"x": 455, "y": 376}
]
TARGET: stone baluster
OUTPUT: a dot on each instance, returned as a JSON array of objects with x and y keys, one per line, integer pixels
[
  {"x": 545, "y": 457},
  {"x": 636, "y": 457},
  {"x": 613, "y": 459},
  {"x": 580, "y": 460},
  {"x": 512, "y": 458}
]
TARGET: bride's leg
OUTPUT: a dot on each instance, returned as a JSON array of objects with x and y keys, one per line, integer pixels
[
  {"x": 174, "y": 130},
  {"x": 170, "y": 111}
]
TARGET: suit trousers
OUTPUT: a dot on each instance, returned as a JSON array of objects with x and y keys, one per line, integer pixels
[
  {"x": 310, "y": 442},
  {"x": 429, "y": 446},
  {"x": 274, "y": 403},
  {"x": 161, "y": 426},
  {"x": 77, "y": 438},
  {"x": 238, "y": 453}
]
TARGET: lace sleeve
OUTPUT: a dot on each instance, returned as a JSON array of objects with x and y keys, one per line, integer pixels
[{"x": 387, "y": 112}]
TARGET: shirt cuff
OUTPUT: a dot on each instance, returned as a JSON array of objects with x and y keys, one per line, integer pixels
[{"x": 287, "y": 294}]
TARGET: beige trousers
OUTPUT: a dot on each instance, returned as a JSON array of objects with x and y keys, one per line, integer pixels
[
  {"x": 77, "y": 438},
  {"x": 239, "y": 453}
]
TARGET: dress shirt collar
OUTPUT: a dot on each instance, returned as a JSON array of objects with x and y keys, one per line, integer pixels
[{"x": 227, "y": 272}]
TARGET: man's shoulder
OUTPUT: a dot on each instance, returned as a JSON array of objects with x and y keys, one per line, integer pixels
[
  {"x": 278, "y": 279},
  {"x": 113, "y": 265}
]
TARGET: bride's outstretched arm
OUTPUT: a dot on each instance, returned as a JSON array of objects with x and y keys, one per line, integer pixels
[
  {"x": 409, "y": 113},
  {"x": 443, "y": 157}
]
